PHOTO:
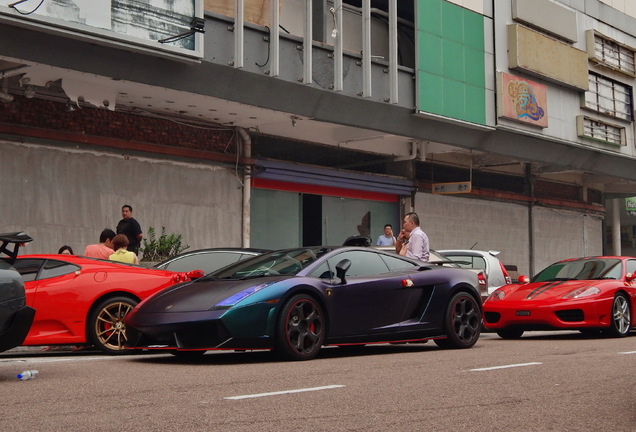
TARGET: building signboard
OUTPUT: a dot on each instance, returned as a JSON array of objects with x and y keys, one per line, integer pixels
[
  {"x": 452, "y": 188},
  {"x": 630, "y": 206},
  {"x": 166, "y": 27},
  {"x": 522, "y": 100}
]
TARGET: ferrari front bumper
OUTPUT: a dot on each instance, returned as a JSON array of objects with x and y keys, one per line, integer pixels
[{"x": 561, "y": 315}]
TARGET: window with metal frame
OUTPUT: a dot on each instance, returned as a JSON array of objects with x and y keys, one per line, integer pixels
[
  {"x": 609, "y": 97},
  {"x": 599, "y": 130},
  {"x": 614, "y": 55}
]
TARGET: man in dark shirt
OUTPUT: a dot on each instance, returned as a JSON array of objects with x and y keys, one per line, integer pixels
[{"x": 131, "y": 228}]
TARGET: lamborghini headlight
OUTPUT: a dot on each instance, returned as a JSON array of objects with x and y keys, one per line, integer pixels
[{"x": 234, "y": 299}]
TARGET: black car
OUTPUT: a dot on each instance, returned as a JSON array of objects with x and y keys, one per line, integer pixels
[
  {"x": 295, "y": 301},
  {"x": 15, "y": 316},
  {"x": 208, "y": 260}
]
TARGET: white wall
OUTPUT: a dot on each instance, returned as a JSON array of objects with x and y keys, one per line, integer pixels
[
  {"x": 560, "y": 234},
  {"x": 455, "y": 222},
  {"x": 626, "y": 6},
  {"x": 67, "y": 196}
]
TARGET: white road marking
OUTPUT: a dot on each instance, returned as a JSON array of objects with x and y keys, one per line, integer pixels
[
  {"x": 506, "y": 366},
  {"x": 284, "y": 392},
  {"x": 628, "y": 352}
]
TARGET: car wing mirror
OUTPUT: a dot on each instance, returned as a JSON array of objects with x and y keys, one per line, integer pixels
[
  {"x": 523, "y": 279},
  {"x": 195, "y": 274},
  {"x": 341, "y": 270},
  {"x": 630, "y": 277}
]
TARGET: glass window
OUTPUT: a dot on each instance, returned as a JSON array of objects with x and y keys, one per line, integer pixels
[
  {"x": 207, "y": 262},
  {"x": 585, "y": 269},
  {"x": 614, "y": 55},
  {"x": 596, "y": 129},
  {"x": 362, "y": 263},
  {"x": 323, "y": 272},
  {"x": 397, "y": 263},
  {"x": 609, "y": 97},
  {"x": 467, "y": 261},
  {"x": 28, "y": 268},
  {"x": 345, "y": 217},
  {"x": 53, "y": 268},
  {"x": 273, "y": 263},
  {"x": 276, "y": 219},
  {"x": 631, "y": 266}
]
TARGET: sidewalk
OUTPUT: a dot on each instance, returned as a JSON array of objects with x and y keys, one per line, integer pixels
[{"x": 37, "y": 349}]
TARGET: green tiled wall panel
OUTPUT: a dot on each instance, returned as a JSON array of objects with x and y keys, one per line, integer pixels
[{"x": 451, "y": 65}]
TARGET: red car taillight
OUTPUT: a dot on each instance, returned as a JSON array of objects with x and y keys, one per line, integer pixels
[
  {"x": 505, "y": 273},
  {"x": 180, "y": 277}
]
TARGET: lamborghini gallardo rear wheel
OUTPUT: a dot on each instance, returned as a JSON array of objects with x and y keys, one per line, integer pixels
[
  {"x": 462, "y": 322},
  {"x": 300, "y": 331}
]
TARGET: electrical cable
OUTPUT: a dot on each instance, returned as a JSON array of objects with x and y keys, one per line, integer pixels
[{"x": 13, "y": 6}]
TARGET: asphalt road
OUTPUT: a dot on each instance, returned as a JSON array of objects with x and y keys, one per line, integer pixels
[{"x": 547, "y": 381}]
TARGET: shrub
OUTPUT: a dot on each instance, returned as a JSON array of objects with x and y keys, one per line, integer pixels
[{"x": 160, "y": 249}]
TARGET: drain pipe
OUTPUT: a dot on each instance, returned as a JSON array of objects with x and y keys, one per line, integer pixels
[
  {"x": 246, "y": 140},
  {"x": 416, "y": 152}
]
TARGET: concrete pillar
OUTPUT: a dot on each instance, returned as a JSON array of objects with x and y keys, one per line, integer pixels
[
  {"x": 246, "y": 141},
  {"x": 616, "y": 226}
]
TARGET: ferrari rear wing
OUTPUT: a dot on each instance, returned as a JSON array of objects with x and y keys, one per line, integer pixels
[{"x": 16, "y": 239}]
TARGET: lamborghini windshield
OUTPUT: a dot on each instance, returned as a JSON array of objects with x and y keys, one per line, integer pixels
[
  {"x": 582, "y": 269},
  {"x": 283, "y": 262}
]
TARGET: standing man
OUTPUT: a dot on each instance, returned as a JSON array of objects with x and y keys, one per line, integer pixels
[
  {"x": 130, "y": 228},
  {"x": 414, "y": 237},
  {"x": 104, "y": 248},
  {"x": 387, "y": 238}
]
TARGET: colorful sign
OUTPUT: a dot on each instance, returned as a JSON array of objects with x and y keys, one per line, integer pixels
[
  {"x": 522, "y": 100},
  {"x": 630, "y": 206}
]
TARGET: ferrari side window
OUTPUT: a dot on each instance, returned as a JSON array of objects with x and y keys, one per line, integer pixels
[
  {"x": 614, "y": 271},
  {"x": 631, "y": 266},
  {"x": 28, "y": 268},
  {"x": 54, "y": 268}
]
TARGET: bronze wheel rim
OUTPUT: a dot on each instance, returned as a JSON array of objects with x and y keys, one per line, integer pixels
[{"x": 109, "y": 325}]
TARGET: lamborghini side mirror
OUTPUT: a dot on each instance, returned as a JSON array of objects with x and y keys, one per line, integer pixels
[{"x": 341, "y": 270}]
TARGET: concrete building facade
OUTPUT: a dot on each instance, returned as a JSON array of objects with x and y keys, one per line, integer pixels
[{"x": 503, "y": 128}]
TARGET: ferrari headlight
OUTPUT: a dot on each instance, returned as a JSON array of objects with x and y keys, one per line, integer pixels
[
  {"x": 234, "y": 299},
  {"x": 582, "y": 292},
  {"x": 497, "y": 295}
]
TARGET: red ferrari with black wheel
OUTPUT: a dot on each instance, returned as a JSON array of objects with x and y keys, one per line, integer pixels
[
  {"x": 83, "y": 300},
  {"x": 595, "y": 295}
]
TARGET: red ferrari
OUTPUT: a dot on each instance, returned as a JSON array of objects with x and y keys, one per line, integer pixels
[
  {"x": 81, "y": 300},
  {"x": 595, "y": 295}
]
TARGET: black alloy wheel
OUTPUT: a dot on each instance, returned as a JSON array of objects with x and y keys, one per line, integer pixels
[
  {"x": 462, "y": 322},
  {"x": 300, "y": 331}
]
